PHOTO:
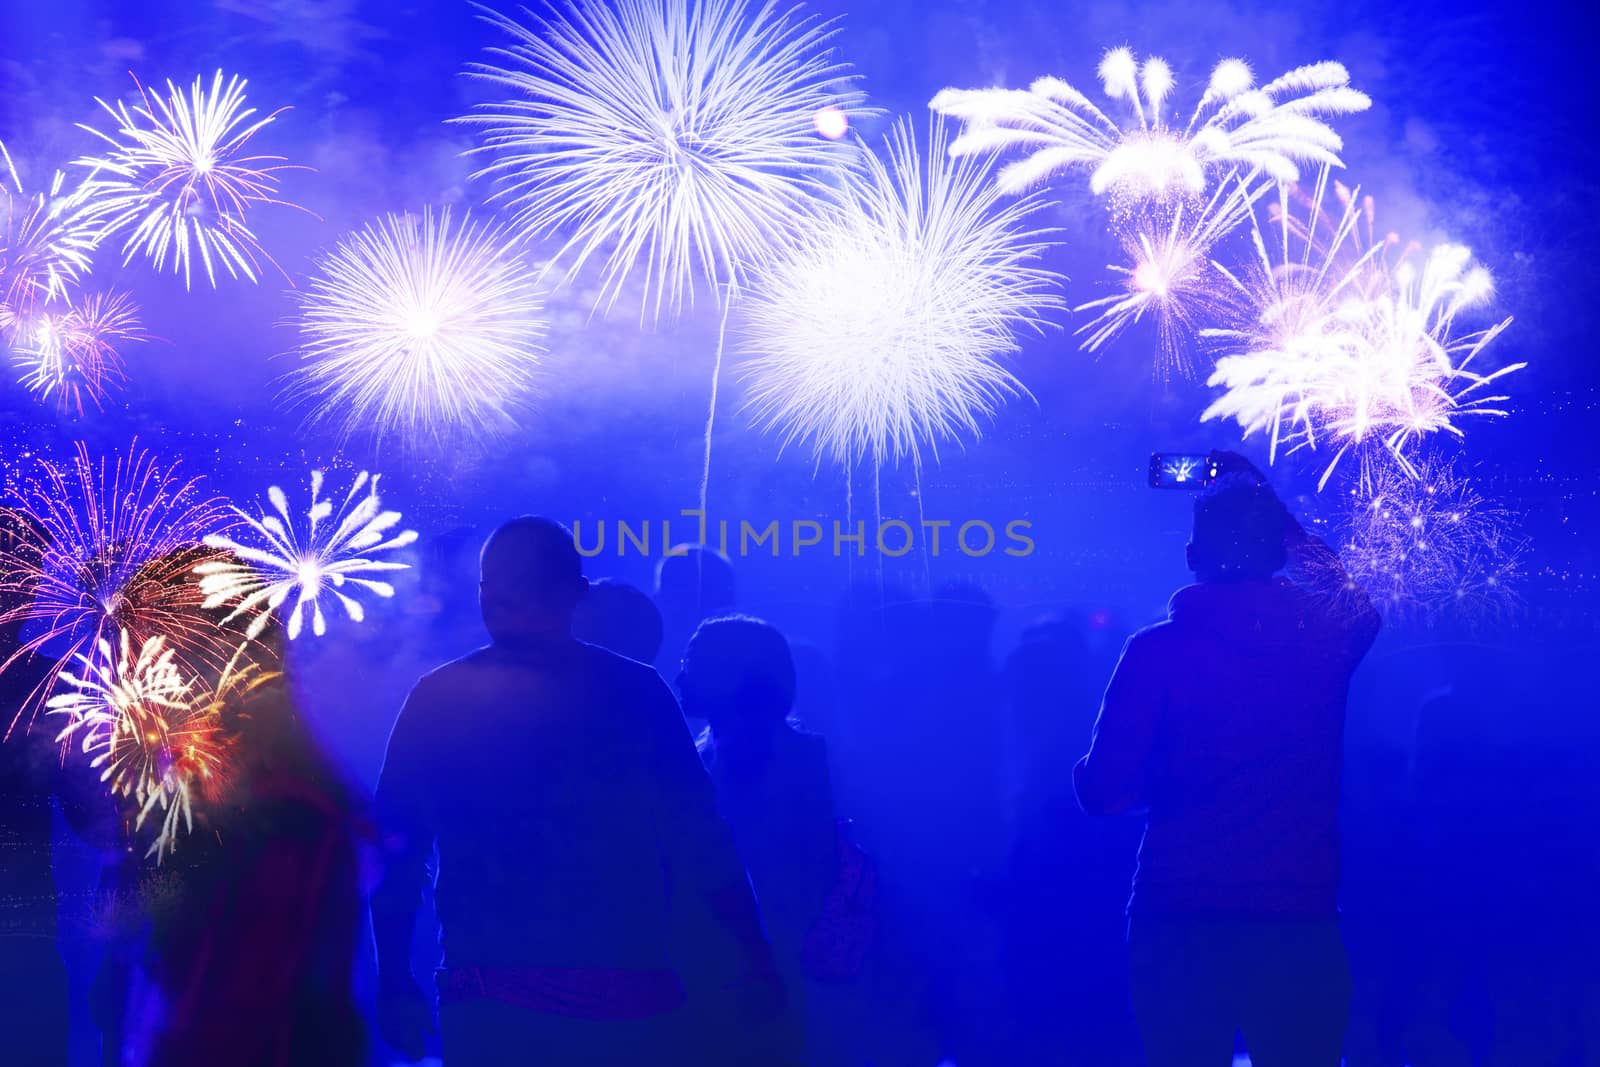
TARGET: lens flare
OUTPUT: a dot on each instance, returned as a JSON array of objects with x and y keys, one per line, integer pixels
[
  {"x": 1274, "y": 128},
  {"x": 883, "y": 332},
  {"x": 675, "y": 140},
  {"x": 101, "y": 548},
  {"x": 417, "y": 327},
  {"x": 1339, "y": 343},
  {"x": 329, "y": 552},
  {"x": 175, "y": 180}
]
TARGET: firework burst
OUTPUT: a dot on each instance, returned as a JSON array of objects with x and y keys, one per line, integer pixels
[
  {"x": 883, "y": 332},
  {"x": 674, "y": 138},
  {"x": 70, "y": 354},
  {"x": 1424, "y": 544},
  {"x": 174, "y": 178},
  {"x": 105, "y": 548},
  {"x": 1341, "y": 343},
  {"x": 147, "y": 726},
  {"x": 331, "y": 551},
  {"x": 1273, "y": 128},
  {"x": 1172, "y": 278},
  {"x": 46, "y": 241},
  {"x": 412, "y": 325}
]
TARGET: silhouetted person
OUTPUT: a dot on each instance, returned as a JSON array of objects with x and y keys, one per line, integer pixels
[
  {"x": 1063, "y": 944},
  {"x": 693, "y": 583},
  {"x": 252, "y": 940},
  {"x": 1224, "y": 727},
  {"x": 560, "y": 786},
  {"x": 620, "y": 617},
  {"x": 772, "y": 782},
  {"x": 33, "y": 770}
]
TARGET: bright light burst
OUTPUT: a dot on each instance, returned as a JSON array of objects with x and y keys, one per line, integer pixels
[
  {"x": 666, "y": 136},
  {"x": 1273, "y": 128},
  {"x": 103, "y": 548},
  {"x": 1172, "y": 277},
  {"x": 414, "y": 325},
  {"x": 883, "y": 331},
  {"x": 146, "y": 725},
  {"x": 1424, "y": 544},
  {"x": 175, "y": 178},
  {"x": 46, "y": 241},
  {"x": 1340, "y": 344},
  {"x": 329, "y": 552},
  {"x": 70, "y": 354}
]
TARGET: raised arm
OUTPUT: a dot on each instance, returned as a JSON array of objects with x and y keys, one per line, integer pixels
[{"x": 1110, "y": 780}]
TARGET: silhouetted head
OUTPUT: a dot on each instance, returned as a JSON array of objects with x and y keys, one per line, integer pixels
[
  {"x": 738, "y": 674},
  {"x": 620, "y": 617},
  {"x": 695, "y": 581},
  {"x": 531, "y": 580},
  {"x": 1238, "y": 532}
]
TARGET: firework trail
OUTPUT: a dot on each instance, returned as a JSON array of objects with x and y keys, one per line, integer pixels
[
  {"x": 46, "y": 241},
  {"x": 1273, "y": 128},
  {"x": 671, "y": 138},
  {"x": 1339, "y": 344},
  {"x": 883, "y": 331},
  {"x": 175, "y": 179},
  {"x": 414, "y": 325},
  {"x": 147, "y": 726},
  {"x": 70, "y": 354},
  {"x": 1424, "y": 544},
  {"x": 1172, "y": 277},
  {"x": 334, "y": 553},
  {"x": 99, "y": 548}
]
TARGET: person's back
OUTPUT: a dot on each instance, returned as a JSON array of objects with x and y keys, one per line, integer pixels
[
  {"x": 540, "y": 789},
  {"x": 1224, "y": 727},
  {"x": 565, "y": 799}
]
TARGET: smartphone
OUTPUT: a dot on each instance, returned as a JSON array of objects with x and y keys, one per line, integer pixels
[{"x": 1183, "y": 470}]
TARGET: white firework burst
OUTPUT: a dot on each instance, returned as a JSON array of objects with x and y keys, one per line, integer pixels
[
  {"x": 1340, "y": 345},
  {"x": 1273, "y": 128},
  {"x": 332, "y": 551},
  {"x": 676, "y": 140},
  {"x": 175, "y": 179},
  {"x": 884, "y": 330},
  {"x": 414, "y": 325},
  {"x": 145, "y": 726},
  {"x": 47, "y": 239},
  {"x": 1172, "y": 277},
  {"x": 70, "y": 354}
]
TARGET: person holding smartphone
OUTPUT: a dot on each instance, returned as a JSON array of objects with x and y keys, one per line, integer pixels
[{"x": 1223, "y": 727}]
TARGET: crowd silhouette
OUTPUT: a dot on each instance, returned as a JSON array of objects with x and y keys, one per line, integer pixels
[{"x": 650, "y": 828}]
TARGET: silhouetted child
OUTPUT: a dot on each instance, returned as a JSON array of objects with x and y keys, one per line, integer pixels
[{"x": 620, "y": 617}]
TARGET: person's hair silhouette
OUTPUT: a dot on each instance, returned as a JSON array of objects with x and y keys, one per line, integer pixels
[{"x": 620, "y": 617}]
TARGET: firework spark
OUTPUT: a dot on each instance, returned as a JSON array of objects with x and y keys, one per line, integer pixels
[
  {"x": 175, "y": 178},
  {"x": 146, "y": 726},
  {"x": 71, "y": 354},
  {"x": 1424, "y": 544},
  {"x": 334, "y": 553},
  {"x": 674, "y": 137},
  {"x": 46, "y": 241},
  {"x": 1273, "y": 128},
  {"x": 107, "y": 548},
  {"x": 412, "y": 325},
  {"x": 883, "y": 331},
  {"x": 1339, "y": 343},
  {"x": 1173, "y": 278}
]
